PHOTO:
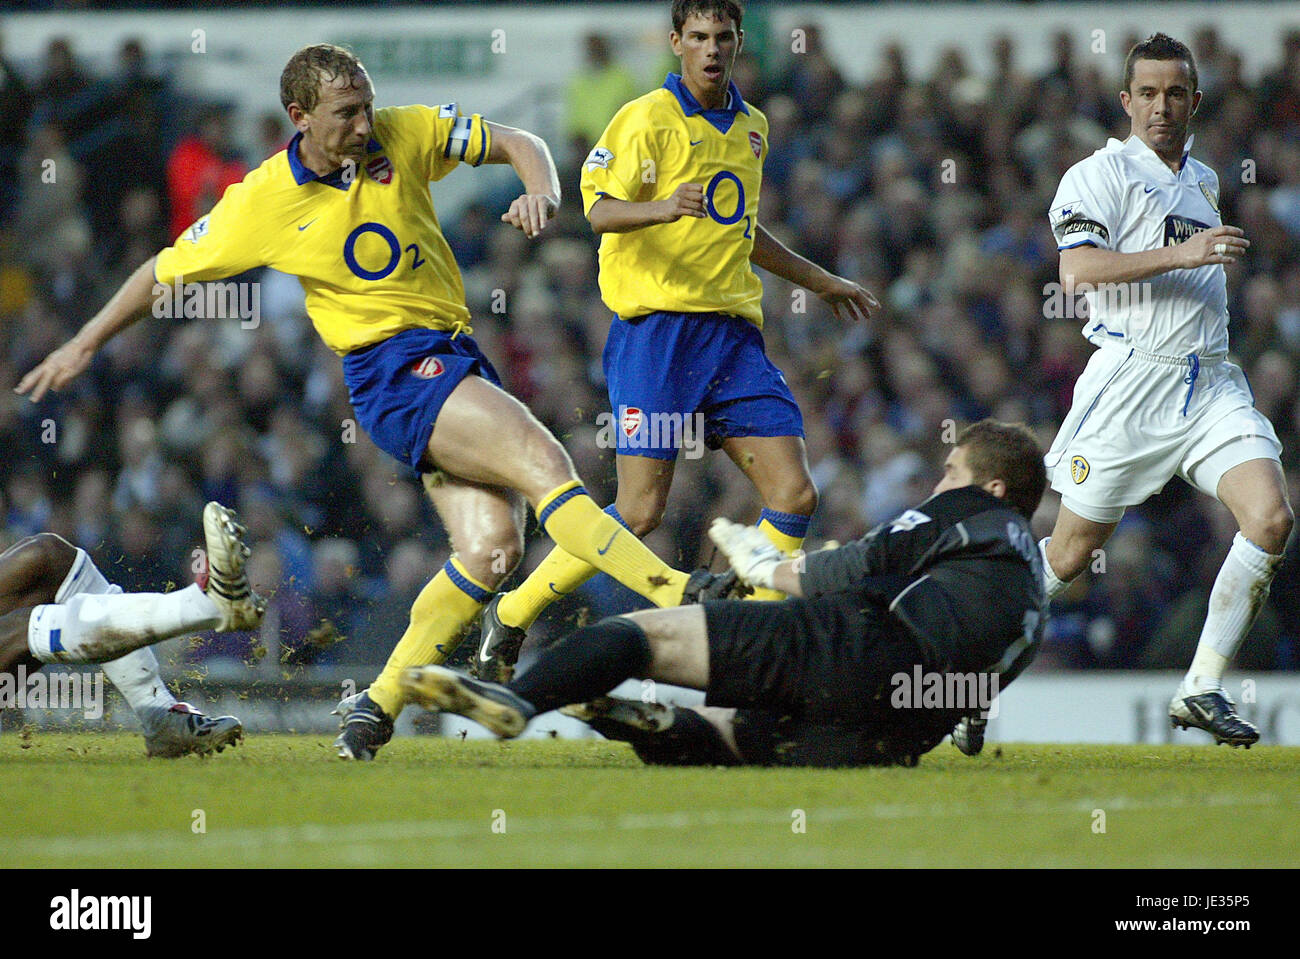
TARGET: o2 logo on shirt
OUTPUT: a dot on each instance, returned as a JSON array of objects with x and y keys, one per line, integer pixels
[
  {"x": 736, "y": 215},
  {"x": 428, "y": 368},
  {"x": 395, "y": 252}
]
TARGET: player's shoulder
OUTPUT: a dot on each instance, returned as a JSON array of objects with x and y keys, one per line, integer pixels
[
  {"x": 644, "y": 117},
  {"x": 1107, "y": 162},
  {"x": 396, "y": 119},
  {"x": 1202, "y": 171},
  {"x": 655, "y": 105},
  {"x": 965, "y": 502},
  {"x": 757, "y": 117},
  {"x": 269, "y": 176}
]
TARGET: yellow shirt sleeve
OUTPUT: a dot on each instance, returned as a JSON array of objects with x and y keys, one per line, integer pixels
[
  {"x": 224, "y": 243},
  {"x": 622, "y": 164},
  {"x": 441, "y": 138}
]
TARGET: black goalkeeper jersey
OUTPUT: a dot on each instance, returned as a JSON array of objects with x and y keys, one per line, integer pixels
[{"x": 961, "y": 572}]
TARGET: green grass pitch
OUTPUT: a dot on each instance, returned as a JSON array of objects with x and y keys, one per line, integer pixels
[{"x": 94, "y": 800}]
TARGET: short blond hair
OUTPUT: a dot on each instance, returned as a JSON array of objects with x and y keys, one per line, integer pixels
[{"x": 312, "y": 66}]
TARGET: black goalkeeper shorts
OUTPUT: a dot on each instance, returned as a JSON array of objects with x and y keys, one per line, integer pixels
[
  {"x": 829, "y": 659},
  {"x": 766, "y": 738}
]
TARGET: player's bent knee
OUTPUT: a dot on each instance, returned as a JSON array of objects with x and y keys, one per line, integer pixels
[
  {"x": 1270, "y": 530},
  {"x": 1069, "y": 559},
  {"x": 490, "y": 559},
  {"x": 801, "y": 500},
  {"x": 642, "y": 518},
  {"x": 46, "y": 558}
]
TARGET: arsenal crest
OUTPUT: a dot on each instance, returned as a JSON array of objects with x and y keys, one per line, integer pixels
[
  {"x": 756, "y": 143},
  {"x": 429, "y": 367},
  {"x": 380, "y": 170},
  {"x": 632, "y": 418}
]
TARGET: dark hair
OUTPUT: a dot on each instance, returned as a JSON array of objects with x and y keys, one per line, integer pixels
[
  {"x": 300, "y": 82},
  {"x": 732, "y": 10},
  {"x": 1158, "y": 46},
  {"x": 1009, "y": 452}
]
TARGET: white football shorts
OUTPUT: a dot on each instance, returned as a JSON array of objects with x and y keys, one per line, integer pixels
[{"x": 1139, "y": 419}]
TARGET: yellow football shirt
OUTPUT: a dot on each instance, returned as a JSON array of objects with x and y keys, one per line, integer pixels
[
  {"x": 653, "y": 145},
  {"x": 365, "y": 243}
]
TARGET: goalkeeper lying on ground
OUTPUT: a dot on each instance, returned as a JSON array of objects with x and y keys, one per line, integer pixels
[{"x": 951, "y": 589}]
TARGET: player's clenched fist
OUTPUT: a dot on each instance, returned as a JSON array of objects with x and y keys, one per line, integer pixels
[
  {"x": 56, "y": 370},
  {"x": 1219, "y": 244},
  {"x": 530, "y": 213},
  {"x": 687, "y": 200}
]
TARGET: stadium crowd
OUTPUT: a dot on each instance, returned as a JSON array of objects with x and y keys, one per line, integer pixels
[{"x": 931, "y": 191}]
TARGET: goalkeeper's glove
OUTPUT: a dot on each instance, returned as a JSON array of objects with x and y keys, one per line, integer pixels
[{"x": 749, "y": 551}]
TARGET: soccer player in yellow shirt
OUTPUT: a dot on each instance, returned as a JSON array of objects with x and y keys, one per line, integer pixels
[
  {"x": 672, "y": 189},
  {"x": 347, "y": 209}
]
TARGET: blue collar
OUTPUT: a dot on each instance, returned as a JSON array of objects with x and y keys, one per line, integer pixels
[
  {"x": 301, "y": 175},
  {"x": 722, "y": 118}
]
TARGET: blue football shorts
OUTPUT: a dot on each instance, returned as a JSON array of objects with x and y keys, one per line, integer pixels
[
  {"x": 398, "y": 386},
  {"x": 671, "y": 372}
]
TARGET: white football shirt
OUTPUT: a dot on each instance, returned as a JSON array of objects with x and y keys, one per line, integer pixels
[{"x": 1124, "y": 198}]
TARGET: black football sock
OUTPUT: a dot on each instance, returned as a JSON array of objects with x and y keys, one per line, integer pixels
[{"x": 587, "y": 664}]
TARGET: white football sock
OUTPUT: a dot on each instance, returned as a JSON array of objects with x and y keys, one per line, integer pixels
[
  {"x": 1238, "y": 595},
  {"x": 95, "y": 629},
  {"x": 1055, "y": 585},
  {"x": 137, "y": 678},
  {"x": 136, "y": 674},
  {"x": 84, "y": 577}
]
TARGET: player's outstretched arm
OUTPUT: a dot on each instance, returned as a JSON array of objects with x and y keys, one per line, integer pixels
[
  {"x": 128, "y": 304},
  {"x": 756, "y": 561},
  {"x": 610, "y": 215},
  {"x": 532, "y": 161},
  {"x": 838, "y": 293},
  {"x": 1218, "y": 245}
]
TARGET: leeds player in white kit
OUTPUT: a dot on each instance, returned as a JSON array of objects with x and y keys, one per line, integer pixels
[{"x": 1139, "y": 222}]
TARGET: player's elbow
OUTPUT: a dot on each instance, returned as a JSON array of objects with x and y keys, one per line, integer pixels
[
  {"x": 1074, "y": 267},
  {"x": 513, "y": 146},
  {"x": 597, "y": 217}
]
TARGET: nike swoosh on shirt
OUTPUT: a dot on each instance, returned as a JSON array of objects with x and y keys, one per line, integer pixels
[
  {"x": 1147, "y": 189},
  {"x": 694, "y": 142},
  {"x": 308, "y": 223},
  {"x": 602, "y": 552}
]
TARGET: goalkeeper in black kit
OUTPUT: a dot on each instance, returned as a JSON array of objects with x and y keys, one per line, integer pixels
[{"x": 952, "y": 589}]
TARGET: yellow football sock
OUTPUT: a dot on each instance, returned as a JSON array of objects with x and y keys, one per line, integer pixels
[
  {"x": 576, "y": 523},
  {"x": 786, "y": 532},
  {"x": 559, "y": 574},
  {"x": 440, "y": 616}
]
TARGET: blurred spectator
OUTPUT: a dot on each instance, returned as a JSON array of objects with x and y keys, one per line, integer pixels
[
  {"x": 595, "y": 93},
  {"x": 201, "y": 167},
  {"x": 15, "y": 108},
  {"x": 273, "y": 135}
]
